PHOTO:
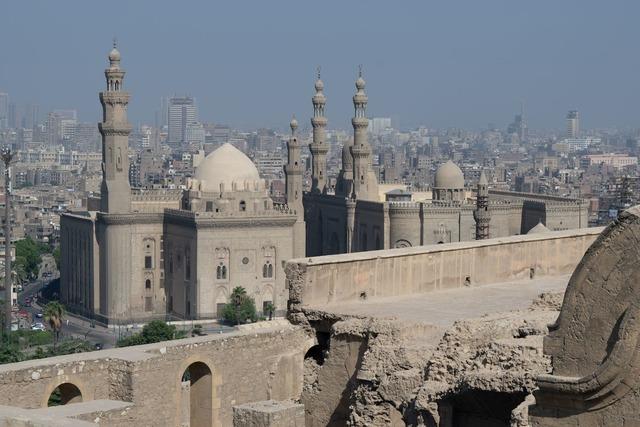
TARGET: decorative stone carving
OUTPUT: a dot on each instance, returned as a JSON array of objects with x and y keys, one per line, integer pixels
[{"x": 594, "y": 342}]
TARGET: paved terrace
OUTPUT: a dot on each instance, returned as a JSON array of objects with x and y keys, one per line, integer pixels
[{"x": 443, "y": 308}]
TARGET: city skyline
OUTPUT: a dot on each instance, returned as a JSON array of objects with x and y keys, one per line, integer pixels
[{"x": 254, "y": 72}]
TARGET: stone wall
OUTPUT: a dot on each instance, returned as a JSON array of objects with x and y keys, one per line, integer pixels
[
  {"x": 235, "y": 368},
  {"x": 350, "y": 277}
]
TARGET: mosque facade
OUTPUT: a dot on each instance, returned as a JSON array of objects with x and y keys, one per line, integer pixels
[
  {"x": 159, "y": 253},
  {"x": 354, "y": 216}
]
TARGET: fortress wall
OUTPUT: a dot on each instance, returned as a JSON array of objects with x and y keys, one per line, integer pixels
[
  {"x": 260, "y": 362},
  {"x": 348, "y": 277}
]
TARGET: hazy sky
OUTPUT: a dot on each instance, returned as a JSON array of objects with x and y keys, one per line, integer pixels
[{"x": 252, "y": 63}]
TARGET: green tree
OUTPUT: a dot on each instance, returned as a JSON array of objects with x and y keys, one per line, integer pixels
[
  {"x": 10, "y": 354},
  {"x": 241, "y": 307},
  {"x": 53, "y": 314},
  {"x": 154, "y": 331},
  {"x": 56, "y": 257},
  {"x": 29, "y": 254}
]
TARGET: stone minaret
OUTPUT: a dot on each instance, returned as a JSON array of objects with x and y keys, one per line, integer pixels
[
  {"x": 482, "y": 215},
  {"x": 293, "y": 171},
  {"x": 115, "y": 192},
  {"x": 318, "y": 147},
  {"x": 364, "y": 181},
  {"x": 293, "y": 178}
]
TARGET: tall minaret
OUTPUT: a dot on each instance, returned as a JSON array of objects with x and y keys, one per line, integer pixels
[
  {"x": 293, "y": 171},
  {"x": 365, "y": 185},
  {"x": 293, "y": 182},
  {"x": 115, "y": 192},
  {"x": 482, "y": 215},
  {"x": 318, "y": 147}
]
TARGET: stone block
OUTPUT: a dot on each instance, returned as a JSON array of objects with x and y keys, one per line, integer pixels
[{"x": 269, "y": 413}]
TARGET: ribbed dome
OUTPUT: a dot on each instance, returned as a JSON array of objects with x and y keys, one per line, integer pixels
[
  {"x": 226, "y": 165},
  {"x": 449, "y": 176},
  {"x": 540, "y": 228}
]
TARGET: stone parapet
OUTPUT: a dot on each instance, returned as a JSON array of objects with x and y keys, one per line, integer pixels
[{"x": 341, "y": 278}]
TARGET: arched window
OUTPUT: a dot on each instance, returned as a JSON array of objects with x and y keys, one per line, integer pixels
[
  {"x": 243, "y": 206},
  {"x": 265, "y": 270},
  {"x": 147, "y": 284},
  {"x": 224, "y": 271},
  {"x": 270, "y": 270},
  {"x": 219, "y": 272}
]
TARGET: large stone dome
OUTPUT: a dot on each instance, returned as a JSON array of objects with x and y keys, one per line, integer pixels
[
  {"x": 449, "y": 177},
  {"x": 226, "y": 165}
]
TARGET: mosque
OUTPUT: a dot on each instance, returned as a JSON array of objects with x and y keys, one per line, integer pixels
[
  {"x": 161, "y": 253},
  {"x": 358, "y": 215},
  {"x": 154, "y": 253}
]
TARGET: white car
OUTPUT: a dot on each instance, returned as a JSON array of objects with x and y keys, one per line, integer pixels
[{"x": 38, "y": 327}]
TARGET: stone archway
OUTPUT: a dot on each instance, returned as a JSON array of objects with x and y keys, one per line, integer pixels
[
  {"x": 63, "y": 394},
  {"x": 197, "y": 397}
]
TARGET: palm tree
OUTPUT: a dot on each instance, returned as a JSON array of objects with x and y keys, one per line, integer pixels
[
  {"x": 21, "y": 274},
  {"x": 238, "y": 295},
  {"x": 53, "y": 314}
]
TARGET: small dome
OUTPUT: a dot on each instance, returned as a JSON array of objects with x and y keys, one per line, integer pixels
[
  {"x": 540, "y": 228},
  {"x": 293, "y": 124},
  {"x": 449, "y": 177},
  {"x": 319, "y": 85},
  {"x": 114, "y": 55},
  {"x": 226, "y": 165},
  {"x": 360, "y": 83}
]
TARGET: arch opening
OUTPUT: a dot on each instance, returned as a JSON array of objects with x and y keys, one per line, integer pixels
[
  {"x": 63, "y": 394},
  {"x": 197, "y": 383}
]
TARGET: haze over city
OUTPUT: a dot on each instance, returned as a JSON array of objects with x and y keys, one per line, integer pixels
[
  {"x": 249, "y": 63},
  {"x": 319, "y": 214}
]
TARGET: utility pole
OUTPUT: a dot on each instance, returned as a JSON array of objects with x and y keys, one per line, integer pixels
[{"x": 7, "y": 155}]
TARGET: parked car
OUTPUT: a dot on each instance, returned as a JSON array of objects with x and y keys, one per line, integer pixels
[
  {"x": 98, "y": 346},
  {"x": 39, "y": 315},
  {"x": 38, "y": 327}
]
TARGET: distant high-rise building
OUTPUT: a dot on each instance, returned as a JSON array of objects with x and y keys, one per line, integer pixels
[
  {"x": 182, "y": 112},
  {"x": 573, "y": 124},
  {"x": 4, "y": 110},
  {"x": 13, "y": 117},
  {"x": 30, "y": 118},
  {"x": 519, "y": 125},
  {"x": 378, "y": 124},
  {"x": 86, "y": 137},
  {"x": 195, "y": 134},
  {"x": 61, "y": 126}
]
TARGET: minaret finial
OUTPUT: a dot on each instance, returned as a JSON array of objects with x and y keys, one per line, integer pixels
[
  {"x": 115, "y": 43},
  {"x": 294, "y": 125},
  {"x": 360, "y": 70},
  {"x": 318, "y": 72}
]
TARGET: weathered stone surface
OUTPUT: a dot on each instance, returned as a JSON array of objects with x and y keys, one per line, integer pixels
[
  {"x": 408, "y": 372},
  {"x": 269, "y": 413},
  {"x": 594, "y": 342},
  {"x": 252, "y": 365}
]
